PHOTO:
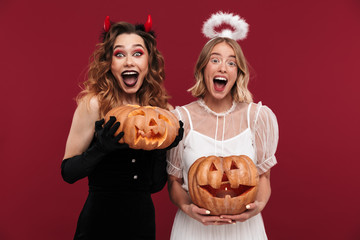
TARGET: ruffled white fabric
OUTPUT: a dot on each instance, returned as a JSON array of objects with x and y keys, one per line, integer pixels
[
  {"x": 266, "y": 136},
  {"x": 263, "y": 125}
]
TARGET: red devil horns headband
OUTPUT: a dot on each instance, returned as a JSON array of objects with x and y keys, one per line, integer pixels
[
  {"x": 147, "y": 25},
  {"x": 107, "y": 24}
]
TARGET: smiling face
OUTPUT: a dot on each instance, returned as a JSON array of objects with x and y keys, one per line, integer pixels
[
  {"x": 129, "y": 62},
  {"x": 220, "y": 72}
]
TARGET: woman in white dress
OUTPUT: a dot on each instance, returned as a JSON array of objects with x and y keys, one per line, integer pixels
[{"x": 222, "y": 122}]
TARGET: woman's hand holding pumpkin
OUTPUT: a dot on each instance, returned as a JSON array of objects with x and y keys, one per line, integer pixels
[
  {"x": 202, "y": 215},
  {"x": 260, "y": 202},
  {"x": 252, "y": 210},
  {"x": 106, "y": 141}
]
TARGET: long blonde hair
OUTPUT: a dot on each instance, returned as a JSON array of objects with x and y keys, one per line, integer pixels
[
  {"x": 239, "y": 91},
  {"x": 102, "y": 84}
]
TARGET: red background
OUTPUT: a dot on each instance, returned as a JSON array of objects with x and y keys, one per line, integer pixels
[{"x": 305, "y": 64}]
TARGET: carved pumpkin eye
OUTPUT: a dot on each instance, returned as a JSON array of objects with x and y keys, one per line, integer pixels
[
  {"x": 162, "y": 117},
  {"x": 213, "y": 167},
  {"x": 233, "y": 166},
  {"x": 137, "y": 113}
]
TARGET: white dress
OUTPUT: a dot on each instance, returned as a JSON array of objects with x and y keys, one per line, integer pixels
[{"x": 245, "y": 129}]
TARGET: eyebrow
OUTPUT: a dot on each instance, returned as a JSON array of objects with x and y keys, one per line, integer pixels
[
  {"x": 133, "y": 46},
  {"x": 218, "y": 54}
]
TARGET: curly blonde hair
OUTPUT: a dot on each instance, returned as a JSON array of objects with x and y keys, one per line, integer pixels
[
  {"x": 239, "y": 91},
  {"x": 102, "y": 84}
]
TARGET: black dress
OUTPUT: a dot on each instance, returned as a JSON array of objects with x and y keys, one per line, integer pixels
[{"x": 119, "y": 204}]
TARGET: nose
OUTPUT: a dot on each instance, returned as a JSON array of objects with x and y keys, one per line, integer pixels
[
  {"x": 222, "y": 67},
  {"x": 129, "y": 61},
  {"x": 153, "y": 126},
  {"x": 224, "y": 178},
  {"x": 152, "y": 122}
]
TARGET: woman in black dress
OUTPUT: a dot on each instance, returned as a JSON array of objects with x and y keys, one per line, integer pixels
[{"x": 126, "y": 68}]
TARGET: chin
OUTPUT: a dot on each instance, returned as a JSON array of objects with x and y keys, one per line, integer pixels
[
  {"x": 219, "y": 96},
  {"x": 131, "y": 91}
]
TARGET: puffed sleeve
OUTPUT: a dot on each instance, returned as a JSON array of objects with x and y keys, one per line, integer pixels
[
  {"x": 266, "y": 136},
  {"x": 174, "y": 155}
]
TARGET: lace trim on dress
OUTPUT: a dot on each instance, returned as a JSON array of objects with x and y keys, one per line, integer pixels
[
  {"x": 203, "y": 104},
  {"x": 223, "y": 114}
]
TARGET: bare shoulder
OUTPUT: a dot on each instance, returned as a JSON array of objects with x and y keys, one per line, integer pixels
[
  {"x": 82, "y": 126},
  {"x": 89, "y": 106},
  {"x": 94, "y": 103}
]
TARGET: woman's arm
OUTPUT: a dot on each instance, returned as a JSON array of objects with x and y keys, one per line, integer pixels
[
  {"x": 82, "y": 127},
  {"x": 264, "y": 192},
  {"x": 80, "y": 158},
  {"x": 177, "y": 194},
  {"x": 182, "y": 200},
  {"x": 76, "y": 164}
]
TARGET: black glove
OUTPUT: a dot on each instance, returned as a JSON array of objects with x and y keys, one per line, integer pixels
[
  {"x": 106, "y": 141},
  {"x": 178, "y": 138},
  {"x": 80, "y": 166}
]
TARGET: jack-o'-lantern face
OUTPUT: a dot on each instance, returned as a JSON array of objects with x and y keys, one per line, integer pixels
[
  {"x": 145, "y": 127},
  {"x": 223, "y": 185}
]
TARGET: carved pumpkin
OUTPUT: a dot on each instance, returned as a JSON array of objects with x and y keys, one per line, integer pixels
[
  {"x": 145, "y": 127},
  {"x": 223, "y": 185}
]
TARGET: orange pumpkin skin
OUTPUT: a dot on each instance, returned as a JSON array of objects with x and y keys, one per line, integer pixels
[
  {"x": 223, "y": 185},
  {"x": 145, "y": 127}
]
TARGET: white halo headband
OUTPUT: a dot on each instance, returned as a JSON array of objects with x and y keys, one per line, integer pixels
[{"x": 241, "y": 27}]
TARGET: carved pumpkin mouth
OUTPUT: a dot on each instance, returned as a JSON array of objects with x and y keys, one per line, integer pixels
[
  {"x": 226, "y": 189},
  {"x": 150, "y": 136}
]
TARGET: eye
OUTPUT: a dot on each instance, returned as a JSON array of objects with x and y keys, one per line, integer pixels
[
  {"x": 233, "y": 166},
  {"x": 232, "y": 64},
  {"x": 213, "y": 167},
  {"x": 137, "y": 54},
  {"x": 214, "y": 60},
  {"x": 162, "y": 117},
  {"x": 137, "y": 113},
  {"x": 119, "y": 54}
]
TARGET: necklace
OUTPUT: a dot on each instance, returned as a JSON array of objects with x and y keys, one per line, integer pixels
[{"x": 203, "y": 104}]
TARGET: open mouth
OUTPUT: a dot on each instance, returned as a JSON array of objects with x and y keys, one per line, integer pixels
[
  {"x": 130, "y": 78},
  {"x": 220, "y": 83}
]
